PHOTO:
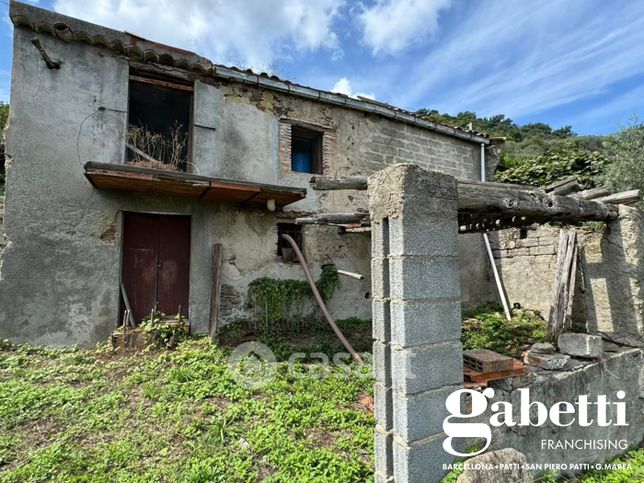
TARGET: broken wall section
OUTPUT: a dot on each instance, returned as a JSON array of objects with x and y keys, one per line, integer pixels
[{"x": 608, "y": 294}]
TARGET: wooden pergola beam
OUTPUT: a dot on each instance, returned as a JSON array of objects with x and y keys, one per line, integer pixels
[
  {"x": 487, "y": 201},
  {"x": 593, "y": 193},
  {"x": 359, "y": 217},
  {"x": 485, "y": 206},
  {"x": 323, "y": 183},
  {"x": 623, "y": 198}
]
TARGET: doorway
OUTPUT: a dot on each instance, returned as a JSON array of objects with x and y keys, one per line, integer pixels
[{"x": 156, "y": 263}]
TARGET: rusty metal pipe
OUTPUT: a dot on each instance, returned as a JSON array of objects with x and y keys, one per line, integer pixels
[{"x": 318, "y": 298}]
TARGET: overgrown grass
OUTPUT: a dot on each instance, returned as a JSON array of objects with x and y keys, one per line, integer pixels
[
  {"x": 634, "y": 458},
  {"x": 487, "y": 328},
  {"x": 90, "y": 415},
  {"x": 310, "y": 336}
]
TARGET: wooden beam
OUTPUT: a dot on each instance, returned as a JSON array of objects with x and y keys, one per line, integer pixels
[
  {"x": 324, "y": 183},
  {"x": 593, "y": 193},
  {"x": 561, "y": 183},
  {"x": 622, "y": 198},
  {"x": 484, "y": 203},
  {"x": 161, "y": 83},
  {"x": 484, "y": 200},
  {"x": 570, "y": 187},
  {"x": 334, "y": 218},
  {"x": 342, "y": 230},
  {"x": 327, "y": 184},
  {"x": 215, "y": 293}
]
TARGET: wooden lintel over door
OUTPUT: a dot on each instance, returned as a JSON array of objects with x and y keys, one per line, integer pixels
[{"x": 156, "y": 263}]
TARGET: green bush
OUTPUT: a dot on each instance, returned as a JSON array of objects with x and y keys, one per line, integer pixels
[
  {"x": 626, "y": 151},
  {"x": 556, "y": 165},
  {"x": 487, "y": 328}
]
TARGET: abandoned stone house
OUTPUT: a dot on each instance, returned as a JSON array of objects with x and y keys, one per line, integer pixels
[{"x": 80, "y": 220}]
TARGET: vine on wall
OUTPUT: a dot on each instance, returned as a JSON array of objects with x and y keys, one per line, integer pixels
[{"x": 281, "y": 302}]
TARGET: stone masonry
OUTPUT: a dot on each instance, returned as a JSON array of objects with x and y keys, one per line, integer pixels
[
  {"x": 608, "y": 296},
  {"x": 527, "y": 260},
  {"x": 416, "y": 318}
]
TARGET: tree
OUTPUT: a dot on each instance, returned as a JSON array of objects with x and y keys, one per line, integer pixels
[{"x": 626, "y": 152}]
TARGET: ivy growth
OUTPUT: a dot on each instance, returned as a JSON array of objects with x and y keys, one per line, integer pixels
[
  {"x": 557, "y": 165},
  {"x": 282, "y": 300}
]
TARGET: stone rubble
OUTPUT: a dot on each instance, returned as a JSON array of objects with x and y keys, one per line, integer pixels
[{"x": 581, "y": 345}]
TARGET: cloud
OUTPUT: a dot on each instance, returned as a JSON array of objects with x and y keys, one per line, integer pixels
[
  {"x": 523, "y": 58},
  {"x": 254, "y": 33},
  {"x": 390, "y": 26},
  {"x": 343, "y": 86}
]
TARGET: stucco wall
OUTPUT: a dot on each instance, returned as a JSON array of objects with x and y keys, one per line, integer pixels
[{"x": 59, "y": 273}]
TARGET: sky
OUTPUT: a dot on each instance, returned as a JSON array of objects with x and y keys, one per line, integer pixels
[{"x": 562, "y": 62}]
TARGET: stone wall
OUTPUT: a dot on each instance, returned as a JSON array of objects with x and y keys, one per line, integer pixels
[
  {"x": 526, "y": 260},
  {"x": 608, "y": 295},
  {"x": 620, "y": 370}
]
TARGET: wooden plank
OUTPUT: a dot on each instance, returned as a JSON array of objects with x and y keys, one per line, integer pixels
[
  {"x": 129, "y": 178},
  {"x": 622, "y": 198},
  {"x": 326, "y": 183},
  {"x": 128, "y": 308},
  {"x": 215, "y": 294},
  {"x": 561, "y": 183},
  {"x": 567, "y": 322},
  {"x": 563, "y": 277},
  {"x": 92, "y": 166},
  {"x": 161, "y": 83},
  {"x": 556, "y": 286}
]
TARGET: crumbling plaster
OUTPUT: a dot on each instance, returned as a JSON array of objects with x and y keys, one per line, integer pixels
[{"x": 60, "y": 272}]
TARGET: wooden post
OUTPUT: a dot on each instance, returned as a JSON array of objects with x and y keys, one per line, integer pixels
[
  {"x": 215, "y": 294},
  {"x": 564, "y": 285}
]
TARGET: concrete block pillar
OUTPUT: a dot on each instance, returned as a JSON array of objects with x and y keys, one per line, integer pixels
[{"x": 417, "y": 353}]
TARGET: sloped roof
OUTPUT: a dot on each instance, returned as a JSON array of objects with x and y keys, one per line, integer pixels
[{"x": 70, "y": 29}]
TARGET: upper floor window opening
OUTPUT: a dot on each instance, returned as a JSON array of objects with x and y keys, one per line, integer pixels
[
  {"x": 159, "y": 123},
  {"x": 306, "y": 150}
]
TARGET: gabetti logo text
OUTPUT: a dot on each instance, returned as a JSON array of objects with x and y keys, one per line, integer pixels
[{"x": 582, "y": 411}]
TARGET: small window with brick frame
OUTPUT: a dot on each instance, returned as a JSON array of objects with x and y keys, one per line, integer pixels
[
  {"x": 285, "y": 252},
  {"x": 306, "y": 150}
]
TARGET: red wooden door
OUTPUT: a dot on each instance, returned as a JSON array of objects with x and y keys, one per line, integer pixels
[
  {"x": 156, "y": 263},
  {"x": 174, "y": 264}
]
